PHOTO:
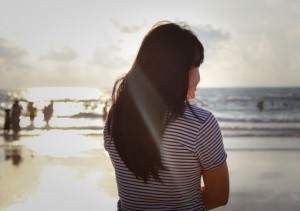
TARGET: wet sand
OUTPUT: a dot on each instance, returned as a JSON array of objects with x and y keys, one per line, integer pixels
[
  {"x": 62, "y": 170},
  {"x": 59, "y": 170}
]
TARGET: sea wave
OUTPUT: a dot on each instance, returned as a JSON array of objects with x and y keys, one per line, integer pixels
[
  {"x": 258, "y": 119},
  {"x": 269, "y": 97},
  {"x": 261, "y": 132},
  {"x": 83, "y": 115}
]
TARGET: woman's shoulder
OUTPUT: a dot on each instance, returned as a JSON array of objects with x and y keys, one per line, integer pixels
[{"x": 196, "y": 113}]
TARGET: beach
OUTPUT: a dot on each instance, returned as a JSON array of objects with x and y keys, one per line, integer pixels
[
  {"x": 65, "y": 170},
  {"x": 264, "y": 173},
  {"x": 63, "y": 165}
]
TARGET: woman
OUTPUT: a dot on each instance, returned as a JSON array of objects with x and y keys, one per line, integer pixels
[{"x": 160, "y": 144}]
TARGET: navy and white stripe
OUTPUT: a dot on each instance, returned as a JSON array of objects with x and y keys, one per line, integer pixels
[{"x": 190, "y": 146}]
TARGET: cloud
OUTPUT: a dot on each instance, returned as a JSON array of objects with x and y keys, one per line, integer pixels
[
  {"x": 261, "y": 58},
  {"x": 12, "y": 57},
  {"x": 108, "y": 57},
  {"x": 67, "y": 54},
  {"x": 127, "y": 29},
  {"x": 210, "y": 36}
]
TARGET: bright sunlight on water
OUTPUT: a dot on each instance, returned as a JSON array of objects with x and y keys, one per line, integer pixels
[{"x": 62, "y": 93}]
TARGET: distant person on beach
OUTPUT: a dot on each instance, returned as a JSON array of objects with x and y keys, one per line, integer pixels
[
  {"x": 7, "y": 121},
  {"x": 31, "y": 111},
  {"x": 48, "y": 112},
  {"x": 159, "y": 144},
  {"x": 15, "y": 117}
]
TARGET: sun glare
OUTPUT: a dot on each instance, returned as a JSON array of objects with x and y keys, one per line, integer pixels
[{"x": 68, "y": 101}]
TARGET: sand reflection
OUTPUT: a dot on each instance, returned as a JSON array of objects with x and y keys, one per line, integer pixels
[
  {"x": 60, "y": 170},
  {"x": 58, "y": 143}
]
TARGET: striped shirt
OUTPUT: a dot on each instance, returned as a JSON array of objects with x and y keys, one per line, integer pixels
[{"x": 190, "y": 145}]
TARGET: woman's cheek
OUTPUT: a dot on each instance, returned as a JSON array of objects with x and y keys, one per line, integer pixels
[{"x": 191, "y": 93}]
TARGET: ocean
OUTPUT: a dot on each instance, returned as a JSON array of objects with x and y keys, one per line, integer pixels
[
  {"x": 254, "y": 111},
  {"x": 240, "y": 111}
]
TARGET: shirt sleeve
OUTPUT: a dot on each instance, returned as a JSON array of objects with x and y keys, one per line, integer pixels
[
  {"x": 105, "y": 137},
  {"x": 209, "y": 144}
]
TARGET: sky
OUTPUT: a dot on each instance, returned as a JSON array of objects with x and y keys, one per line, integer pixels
[{"x": 93, "y": 42}]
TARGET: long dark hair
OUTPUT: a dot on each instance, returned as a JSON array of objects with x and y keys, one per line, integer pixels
[{"x": 152, "y": 94}]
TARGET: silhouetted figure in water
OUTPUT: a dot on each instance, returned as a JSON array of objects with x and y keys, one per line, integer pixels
[
  {"x": 32, "y": 112},
  {"x": 48, "y": 112},
  {"x": 15, "y": 117},
  {"x": 260, "y": 105},
  {"x": 7, "y": 122}
]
